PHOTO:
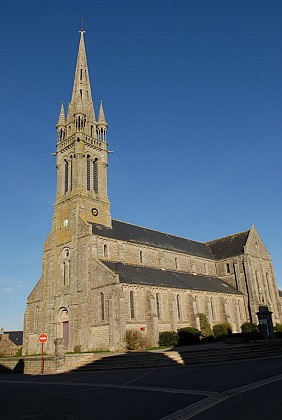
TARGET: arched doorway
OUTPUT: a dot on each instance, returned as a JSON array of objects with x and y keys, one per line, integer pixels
[{"x": 64, "y": 326}]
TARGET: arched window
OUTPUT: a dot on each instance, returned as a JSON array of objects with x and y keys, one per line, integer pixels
[
  {"x": 212, "y": 308},
  {"x": 66, "y": 176},
  {"x": 64, "y": 273},
  {"x": 205, "y": 268},
  {"x": 227, "y": 268},
  {"x": 95, "y": 175},
  {"x": 65, "y": 267},
  {"x": 178, "y": 306},
  {"x": 105, "y": 250},
  {"x": 158, "y": 304},
  {"x": 131, "y": 302},
  {"x": 257, "y": 280},
  {"x": 268, "y": 286},
  {"x": 71, "y": 167},
  {"x": 141, "y": 257},
  {"x": 88, "y": 173},
  {"x": 102, "y": 306},
  {"x": 176, "y": 263}
]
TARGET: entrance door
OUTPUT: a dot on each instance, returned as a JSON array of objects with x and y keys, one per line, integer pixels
[{"x": 66, "y": 334}]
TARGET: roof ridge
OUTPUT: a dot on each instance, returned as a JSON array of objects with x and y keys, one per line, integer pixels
[
  {"x": 228, "y": 236},
  {"x": 159, "y": 231},
  {"x": 159, "y": 268}
]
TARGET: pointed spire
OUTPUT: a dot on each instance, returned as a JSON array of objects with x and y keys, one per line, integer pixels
[
  {"x": 62, "y": 117},
  {"x": 81, "y": 85},
  {"x": 101, "y": 117}
]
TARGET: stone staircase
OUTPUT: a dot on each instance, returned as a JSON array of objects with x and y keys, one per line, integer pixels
[
  {"x": 238, "y": 352},
  {"x": 184, "y": 356}
]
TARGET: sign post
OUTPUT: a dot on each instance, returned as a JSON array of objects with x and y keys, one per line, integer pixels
[{"x": 42, "y": 338}]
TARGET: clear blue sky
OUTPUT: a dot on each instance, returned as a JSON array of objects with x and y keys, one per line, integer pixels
[{"x": 192, "y": 94}]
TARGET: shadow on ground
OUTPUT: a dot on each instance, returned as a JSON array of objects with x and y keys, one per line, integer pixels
[
  {"x": 132, "y": 359},
  {"x": 19, "y": 368}
]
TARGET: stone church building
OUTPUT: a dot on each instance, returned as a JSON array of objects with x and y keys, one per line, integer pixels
[{"x": 101, "y": 276}]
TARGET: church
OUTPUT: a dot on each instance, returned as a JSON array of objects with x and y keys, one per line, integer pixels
[{"x": 101, "y": 277}]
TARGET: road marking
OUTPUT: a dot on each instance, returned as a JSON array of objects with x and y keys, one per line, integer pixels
[
  {"x": 118, "y": 386},
  {"x": 141, "y": 376},
  {"x": 203, "y": 405}
]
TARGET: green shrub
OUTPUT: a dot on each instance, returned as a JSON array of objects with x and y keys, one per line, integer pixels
[
  {"x": 135, "y": 340},
  {"x": 168, "y": 338},
  {"x": 188, "y": 335},
  {"x": 278, "y": 327},
  {"x": 206, "y": 330},
  {"x": 222, "y": 330},
  {"x": 249, "y": 327},
  {"x": 19, "y": 351}
]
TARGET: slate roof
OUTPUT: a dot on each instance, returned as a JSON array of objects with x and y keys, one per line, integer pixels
[
  {"x": 218, "y": 249},
  {"x": 131, "y": 274},
  {"x": 16, "y": 337},
  {"x": 131, "y": 233},
  {"x": 228, "y": 246}
]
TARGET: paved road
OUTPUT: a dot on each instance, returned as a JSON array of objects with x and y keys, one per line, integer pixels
[{"x": 230, "y": 390}]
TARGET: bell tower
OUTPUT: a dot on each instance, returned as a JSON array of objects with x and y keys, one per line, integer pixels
[{"x": 82, "y": 155}]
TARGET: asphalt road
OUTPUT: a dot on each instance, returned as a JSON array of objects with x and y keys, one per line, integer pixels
[{"x": 231, "y": 390}]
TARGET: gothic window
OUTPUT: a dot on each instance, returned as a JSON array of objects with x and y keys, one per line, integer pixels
[
  {"x": 228, "y": 268},
  {"x": 158, "y": 304},
  {"x": 141, "y": 257},
  {"x": 88, "y": 173},
  {"x": 178, "y": 307},
  {"x": 65, "y": 267},
  {"x": 176, "y": 263},
  {"x": 131, "y": 301},
  {"x": 102, "y": 306},
  {"x": 212, "y": 308},
  {"x": 268, "y": 286},
  {"x": 66, "y": 176},
  {"x": 105, "y": 250},
  {"x": 95, "y": 175},
  {"x": 64, "y": 273},
  {"x": 257, "y": 280},
  {"x": 80, "y": 74},
  {"x": 91, "y": 130},
  {"x": 71, "y": 168}
]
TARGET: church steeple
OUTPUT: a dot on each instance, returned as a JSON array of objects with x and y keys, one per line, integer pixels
[
  {"x": 81, "y": 93},
  {"x": 82, "y": 155}
]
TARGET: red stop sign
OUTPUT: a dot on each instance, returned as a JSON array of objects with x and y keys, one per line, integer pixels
[{"x": 43, "y": 338}]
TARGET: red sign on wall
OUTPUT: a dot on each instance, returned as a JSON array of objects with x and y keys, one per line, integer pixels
[{"x": 43, "y": 338}]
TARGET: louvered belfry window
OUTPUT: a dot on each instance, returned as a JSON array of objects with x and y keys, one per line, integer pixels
[
  {"x": 88, "y": 173},
  {"x": 95, "y": 175},
  {"x": 66, "y": 176}
]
